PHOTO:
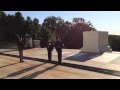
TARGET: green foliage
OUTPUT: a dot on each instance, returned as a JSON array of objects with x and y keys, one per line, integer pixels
[
  {"x": 11, "y": 24},
  {"x": 71, "y": 33},
  {"x": 114, "y": 42},
  {"x": 36, "y": 29},
  {"x": 44, "y": 36}
]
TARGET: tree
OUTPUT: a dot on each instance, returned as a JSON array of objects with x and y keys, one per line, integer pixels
[
  {"x": 72, "y": 32},
  {"x": 36, "y": 29},
  {"x": 44, "y": 34},
  {"x": 79, "y": 25},
  {"x": 53, "y": 24},
  {"x": 28, "y": 26},
  {"x": 2, "y": 18},
  {"x": 19, "y": 23}
]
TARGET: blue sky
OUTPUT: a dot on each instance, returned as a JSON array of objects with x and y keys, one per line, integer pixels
[{"x": 101, "y": 20}]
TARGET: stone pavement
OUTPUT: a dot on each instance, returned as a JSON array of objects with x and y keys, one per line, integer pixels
[{"x": 75, "y": 65}]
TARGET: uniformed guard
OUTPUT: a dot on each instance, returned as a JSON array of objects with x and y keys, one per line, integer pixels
[
  {"x": 58, "y": 46},
  {"x": 20, "y": 48},
  {"x": 49, "y": 49}
]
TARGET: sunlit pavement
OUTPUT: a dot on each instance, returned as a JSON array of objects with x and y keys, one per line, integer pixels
[{"x": 75, "y": 65}]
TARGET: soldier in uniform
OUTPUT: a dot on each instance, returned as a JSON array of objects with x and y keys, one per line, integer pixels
[
  {"x": 49, "y": 49},
  {"x": 20, "y": 48},
  {"x": 58, "y": 46}
]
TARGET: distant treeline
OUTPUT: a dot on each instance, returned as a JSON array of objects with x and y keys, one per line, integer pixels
[
  {"x": 71, "y": 33},
  {"x": 114, "y": 42}
]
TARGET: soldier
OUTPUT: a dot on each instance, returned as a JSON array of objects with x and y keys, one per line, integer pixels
[
  {"x": 20, "y": 48},
  {"x": 58, "y": 46},
  {"x": 49, "y": 49}
]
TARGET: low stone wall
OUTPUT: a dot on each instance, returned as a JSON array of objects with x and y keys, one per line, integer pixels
[
  {"x": 8, "y": 45},
  {"x": 36, "y": 43}
]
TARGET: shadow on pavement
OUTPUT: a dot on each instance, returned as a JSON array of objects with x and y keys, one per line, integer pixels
[
  {"x": 8, "y": 65},
  {"x": 83, "y": 56},
  {"x": 94, "y": 69},
  {"x": 33, "y": 75},
  {"x": 83, "y": 67},
  {"x": 23, "y": 71}
]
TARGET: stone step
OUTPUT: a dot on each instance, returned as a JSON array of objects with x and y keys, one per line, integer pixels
[{"x": 109, "y": 50}]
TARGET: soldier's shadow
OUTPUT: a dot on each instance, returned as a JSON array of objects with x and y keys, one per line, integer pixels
[{"x": 83, "y": 56}]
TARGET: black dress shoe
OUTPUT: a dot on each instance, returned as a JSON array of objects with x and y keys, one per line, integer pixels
[
  {"x": 59, "y": 63},
  {"x": 49, "y": 60}
]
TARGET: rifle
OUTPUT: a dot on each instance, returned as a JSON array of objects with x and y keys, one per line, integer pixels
[
  {"x": 20, "y": 40},
  {"x": 18, "y": 36}
]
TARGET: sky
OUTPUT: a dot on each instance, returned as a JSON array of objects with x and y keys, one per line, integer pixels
[{"x": 101, "y": 20}]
